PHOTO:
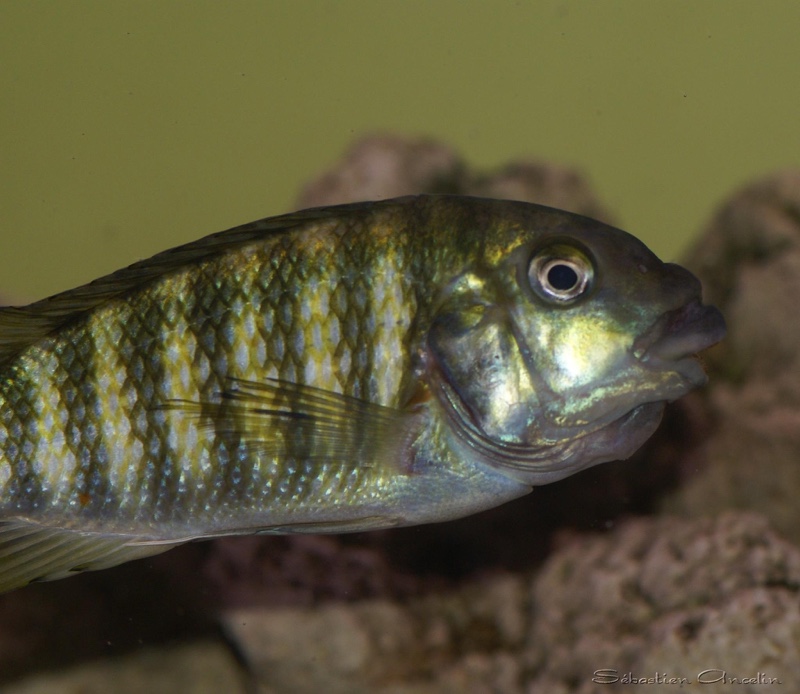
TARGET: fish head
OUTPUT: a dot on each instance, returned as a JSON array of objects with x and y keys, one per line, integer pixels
[{"x": 562, "y": 354}]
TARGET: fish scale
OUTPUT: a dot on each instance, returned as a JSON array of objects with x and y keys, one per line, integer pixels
[
  {"x": 332, "y": 370},
  {"x": 144, "y": 376}
]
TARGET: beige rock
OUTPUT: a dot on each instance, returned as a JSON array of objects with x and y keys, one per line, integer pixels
[
  {"x": 440, "y": 643},
  {"x": 385, "y": 166},
  {"x": 665, "y": 595},
  {"x": 669, "y": 596},
  {"x": 194, "y": 668},
  {"x": 749, "y": 262}
]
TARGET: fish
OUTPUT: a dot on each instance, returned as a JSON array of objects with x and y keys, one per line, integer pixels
[{"x": 338, "y": 369}]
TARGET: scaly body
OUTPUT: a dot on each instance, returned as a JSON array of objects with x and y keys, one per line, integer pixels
[
  {"x": 294, "y": 374},
  {"x": 330, "y": 305}
]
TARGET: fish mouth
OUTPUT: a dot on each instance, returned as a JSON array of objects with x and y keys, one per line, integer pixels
[{"x": 673, "y": 341}]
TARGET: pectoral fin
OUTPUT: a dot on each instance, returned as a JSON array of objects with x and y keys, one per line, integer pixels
[
  {"x": 31, "y": 552},
  {"x": 290, "y": 420}
]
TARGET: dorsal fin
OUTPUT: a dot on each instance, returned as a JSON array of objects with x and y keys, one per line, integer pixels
[{"x": 22, "y": 326}]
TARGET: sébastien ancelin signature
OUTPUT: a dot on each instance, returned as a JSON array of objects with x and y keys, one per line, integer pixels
[{"x": 709, "y": 676}]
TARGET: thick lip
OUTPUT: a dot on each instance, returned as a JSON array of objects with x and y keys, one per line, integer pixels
[{"x": 677, "y": 336}]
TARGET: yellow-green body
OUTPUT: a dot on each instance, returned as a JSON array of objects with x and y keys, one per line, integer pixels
[{"x": 302, "y": 374}]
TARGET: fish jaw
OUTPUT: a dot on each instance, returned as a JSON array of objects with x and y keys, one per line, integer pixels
[
  {"x": 661, "y": 365},
  {"x": 674, "y": 340},
  {"x": 616, "y": 440},
  {"x": 556, "y": 431},
  {"x": 568, "y": 449}
]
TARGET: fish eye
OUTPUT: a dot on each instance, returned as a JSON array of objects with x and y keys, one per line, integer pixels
[{"x": 560, "y": 273}]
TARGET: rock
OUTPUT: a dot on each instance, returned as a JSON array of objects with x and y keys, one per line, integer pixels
[
  {"x": 748, "y": 259},
  {"x": 336, "y": 648},
  {"x": 195, "y": 668},
  {"x": 544, "y": 183},
  {"x": 377, "y": 645},
  {"x": 715, "y": 645},
  {"x": 749, "y": 262},
  {"x": 668, "y": 595},
  {"x": 660, "y": 595},
  {"x": 299, "y": 570},
  {"x": 102, "y": 614},
  {"x": 386, "y": 166}
]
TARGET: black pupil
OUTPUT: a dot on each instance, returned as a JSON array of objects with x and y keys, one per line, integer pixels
[{"x": 562, "y": 277}]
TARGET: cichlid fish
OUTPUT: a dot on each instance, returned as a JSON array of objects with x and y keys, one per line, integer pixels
[{"x": 332, "y": 370}]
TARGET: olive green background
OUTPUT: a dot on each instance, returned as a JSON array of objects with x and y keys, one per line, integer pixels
[{"x": 129, "y": 127}]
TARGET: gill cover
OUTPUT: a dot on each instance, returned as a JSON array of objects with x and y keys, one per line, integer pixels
[
  {"x": 481, "y": 366},
  {"x": 480, "y": 353}
]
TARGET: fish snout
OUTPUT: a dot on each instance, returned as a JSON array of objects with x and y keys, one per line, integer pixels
[{"x": 680, "y": 282}]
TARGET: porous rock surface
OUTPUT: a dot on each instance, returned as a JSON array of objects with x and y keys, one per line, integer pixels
[
  {"x": 688, "y": 601},
  {"x": 748, "y": 259},
  {"x": 685, "y": 598}
]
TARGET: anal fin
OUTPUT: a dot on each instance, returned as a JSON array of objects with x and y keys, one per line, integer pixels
[{"x": 32, "y": 552}]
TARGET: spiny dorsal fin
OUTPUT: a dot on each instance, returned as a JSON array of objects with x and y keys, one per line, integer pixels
[{"x": 22, "y": 326}]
